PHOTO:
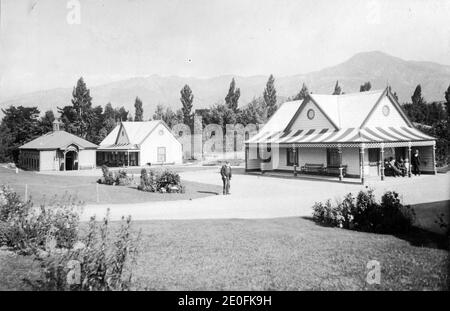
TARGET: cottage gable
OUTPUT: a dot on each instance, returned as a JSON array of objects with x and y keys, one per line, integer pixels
[
  {"x": 386, "y": 114},
  {"x": 310, "y": 116},
  {"x": 122, "y": 137}
]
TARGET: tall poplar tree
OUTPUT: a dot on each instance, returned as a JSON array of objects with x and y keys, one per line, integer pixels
[{"x": 270, "y": 96}]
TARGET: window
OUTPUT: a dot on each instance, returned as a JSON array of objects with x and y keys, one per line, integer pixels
[
  {"x": 290, "y": 157},
  {"x": 161, "y": 154},
  {"x": 386, "y": 110},
  {"x": 310, "y": 114},
  {"x": 333, "y": 158}
]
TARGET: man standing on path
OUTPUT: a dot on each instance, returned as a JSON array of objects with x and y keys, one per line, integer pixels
[
  {"x": 225, "y": 172},
  {"x": 415, "y": 161}
]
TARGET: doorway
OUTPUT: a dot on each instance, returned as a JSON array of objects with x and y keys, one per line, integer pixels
[{"x": 71, "y": 160}]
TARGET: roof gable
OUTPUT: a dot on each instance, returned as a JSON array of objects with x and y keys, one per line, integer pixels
[
  {"x": 310, "y": 116},
  {"x": 395, "y": 116},
  {"x": 384, "y": 114},
  {"x": 58, "y": 140},
  {"x": 132, "y": 132}
]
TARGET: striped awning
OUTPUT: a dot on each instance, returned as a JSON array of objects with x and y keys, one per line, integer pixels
[{"x": 348, "y": 135}]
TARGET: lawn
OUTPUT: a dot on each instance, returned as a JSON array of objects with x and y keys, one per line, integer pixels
[
  {"x": 272, "y": 254},
  {"x": 41, "y": 187}
]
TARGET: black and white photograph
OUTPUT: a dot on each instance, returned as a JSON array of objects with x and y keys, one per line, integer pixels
[{"x": 224, "y": 150}]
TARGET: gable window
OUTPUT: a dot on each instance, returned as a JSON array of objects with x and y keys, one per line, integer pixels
[
  {"x": 386, "y": 110},
  {"x": 311, "y": 113},
  {"x": 290, "y": 157},
  {"x": 333, "y": 157}
]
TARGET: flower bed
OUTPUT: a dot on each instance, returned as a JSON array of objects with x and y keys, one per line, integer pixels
[
  {"x": 160, "y": 181},
  {"x": 121, "y": 178}
]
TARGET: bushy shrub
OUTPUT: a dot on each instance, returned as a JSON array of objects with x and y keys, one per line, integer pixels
[
  {"x": 122, "y": 178},
  {"x": 102, "y": 260},
  {"x": 108, "y": 177},
  {"x": 161, "y": 181},
  {"x": 29, "y": 229},
  {"x": 327, "y": 214},
  {"x": 394, "y": 216},
  {"x": 366, "y": 214}
]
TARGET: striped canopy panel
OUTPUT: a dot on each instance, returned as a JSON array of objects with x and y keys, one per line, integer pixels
[{"x": 347, "y": 135}]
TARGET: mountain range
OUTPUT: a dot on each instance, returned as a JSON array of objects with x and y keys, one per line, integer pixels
[{"x": 377, "y": 67}]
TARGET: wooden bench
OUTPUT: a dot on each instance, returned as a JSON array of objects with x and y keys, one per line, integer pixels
[{"x": 312, "y": 168}]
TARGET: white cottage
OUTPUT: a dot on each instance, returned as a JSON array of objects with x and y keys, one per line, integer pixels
[
  {"x": 140, "y": 143},
  {"x": 57, "y": 151},
  {"x": 348, "y": 135}
]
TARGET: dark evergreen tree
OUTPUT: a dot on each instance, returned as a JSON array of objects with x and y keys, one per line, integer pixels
[
  {"x": 79, "y": 117},
  {"x": 139, "y": 111},
  {"x": 303, "y": 93},
  {"x": 187, "y": 99},
  {"x": 417, "y": 98},
  {"x": 337, "y": 89},
  {"x": 19, "y": 126},
  {"x": 232, "y": 98},
  {"x": 270, "y": 97},
  {"x": 365, "y": 87},
  {"x": 253, "y": 113},
  {"x": 447, "y": 99},
  {"x": 46, "y": 122}
]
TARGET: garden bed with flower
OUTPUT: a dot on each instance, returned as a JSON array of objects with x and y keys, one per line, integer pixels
[{"x": 41, "y": 188}]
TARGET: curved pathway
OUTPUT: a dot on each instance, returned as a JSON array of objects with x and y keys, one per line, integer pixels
[{"x": 269, "y": 197}]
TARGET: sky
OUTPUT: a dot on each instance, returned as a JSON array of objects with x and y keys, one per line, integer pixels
[{"x": 46, "y": 44}]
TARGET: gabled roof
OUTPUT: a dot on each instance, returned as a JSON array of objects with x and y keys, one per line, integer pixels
[
  {"x": 136, "y": 132},
  {"x": 347, "y": 113},
  {"x": 350, "y": 110},
  {"x": 58, "y": 140}
]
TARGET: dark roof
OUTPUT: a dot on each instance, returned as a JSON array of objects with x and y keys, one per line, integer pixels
[{"x": 58, "y": 140}]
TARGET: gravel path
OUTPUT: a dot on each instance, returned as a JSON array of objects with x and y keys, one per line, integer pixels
[{"x": 270, "y": 197}]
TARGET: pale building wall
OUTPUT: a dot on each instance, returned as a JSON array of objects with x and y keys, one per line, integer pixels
[
  {"x": 149, "y": 148},
  {"x": 379, "y": 119},
  {"x": 87, "y": 159},
  {"x": 252, "y": 160},
  {"x": 319, "y": 121},
  {"x": 350, "y": 157},
  {"x": 48, "y": 161}
]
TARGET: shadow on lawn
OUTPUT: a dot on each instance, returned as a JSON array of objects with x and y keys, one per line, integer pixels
[{"x": 416, "y": 236}]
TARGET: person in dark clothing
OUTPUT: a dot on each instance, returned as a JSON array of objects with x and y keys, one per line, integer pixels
[
  {"x": 401, "y": 166},
  {"x": 396, "y": 172},
  {"x": 415, "y": 162},
  {"x": 225, "y": 172}
]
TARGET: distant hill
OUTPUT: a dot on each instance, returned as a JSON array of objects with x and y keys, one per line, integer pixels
[{"x": 377, "y": 67}]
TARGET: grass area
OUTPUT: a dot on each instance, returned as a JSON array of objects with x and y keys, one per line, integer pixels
[
  {"x": 42, "y": 187},
  {"x": 272, "y": 254}
]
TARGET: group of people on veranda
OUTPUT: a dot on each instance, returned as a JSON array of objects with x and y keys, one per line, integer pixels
[{"x": 398, "y": 168}]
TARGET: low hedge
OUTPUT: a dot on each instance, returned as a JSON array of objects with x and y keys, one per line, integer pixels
[{"x": 365, "y": 213}]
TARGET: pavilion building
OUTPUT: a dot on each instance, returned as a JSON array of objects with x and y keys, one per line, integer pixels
[{"x": 350, "y": 135}]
